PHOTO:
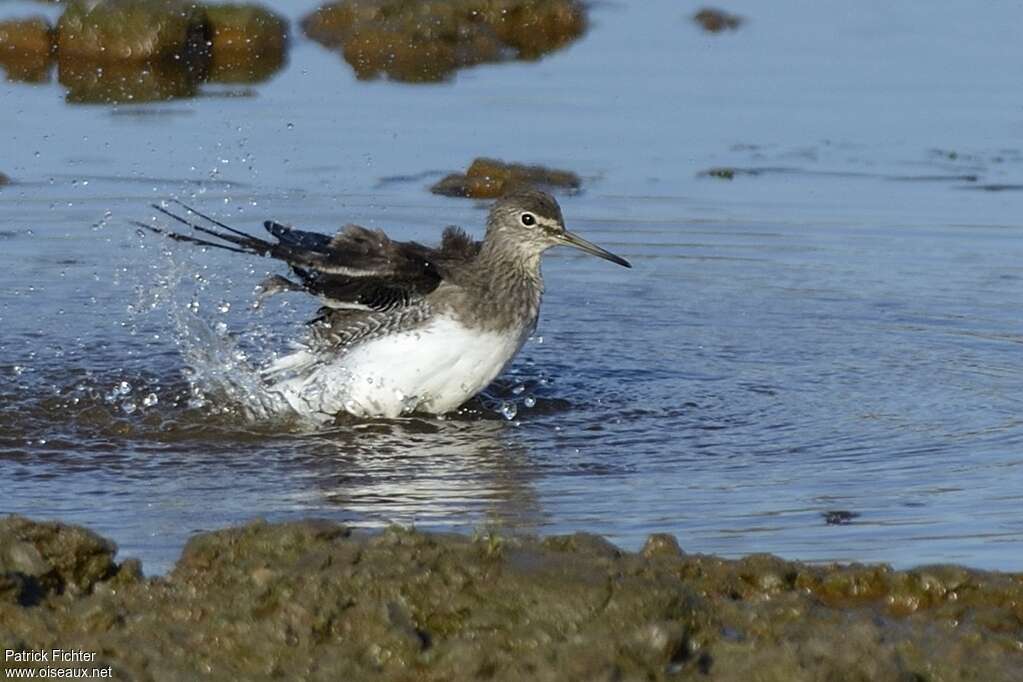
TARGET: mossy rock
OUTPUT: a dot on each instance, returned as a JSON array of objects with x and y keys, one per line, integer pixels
[
  {"x": 53, "y": 557},
  {"x": 129, "y": 82},
  {"x": 490, "y": 178},
  {"x": 314, "y": 600},
  {"x": 118, "y": 31},
  {"x": 536, "y": 27},
  {"x": 26, "y": 49},
  {"x": 428, "y": 41},
  {"x": 26, "y": 37},
  {"x": 249, "y": 43}
]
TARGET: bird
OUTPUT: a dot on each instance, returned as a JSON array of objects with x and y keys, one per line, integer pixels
[{"x": 403, "y": 328}]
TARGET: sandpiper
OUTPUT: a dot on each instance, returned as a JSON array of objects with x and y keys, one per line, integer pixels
[{"x": 403, "y": 327}]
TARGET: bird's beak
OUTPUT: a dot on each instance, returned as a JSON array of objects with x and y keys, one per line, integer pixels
[{"x": 589, "y": 247}]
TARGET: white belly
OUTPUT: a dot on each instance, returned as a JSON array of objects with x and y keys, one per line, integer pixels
[{"x": 433, "y": 369}]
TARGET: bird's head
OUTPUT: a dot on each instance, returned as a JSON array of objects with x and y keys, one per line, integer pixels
[{"x": 530, "y": 221}]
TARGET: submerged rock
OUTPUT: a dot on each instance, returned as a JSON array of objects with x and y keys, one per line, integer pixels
[
  {"x": 314, "y": 600},
  {"x": 249, "y": 43},
  {"x": 26, "y": 49},
  {"x": 716, "y": 20},
  {"x": 427, "y": 41},
  {"x": 490, "y": 178}
]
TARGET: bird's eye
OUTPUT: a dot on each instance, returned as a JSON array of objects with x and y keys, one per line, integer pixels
[{"x": 528, "y": 219}]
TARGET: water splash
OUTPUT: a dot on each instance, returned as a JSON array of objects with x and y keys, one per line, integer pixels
[
  {"x": 219, "y": 369},
  {"x": 223, "y": 369}
]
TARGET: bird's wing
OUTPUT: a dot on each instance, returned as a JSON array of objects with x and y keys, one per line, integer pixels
[
  {"x": 286, "y": 234},
  {"x": 356, "y": 268}
]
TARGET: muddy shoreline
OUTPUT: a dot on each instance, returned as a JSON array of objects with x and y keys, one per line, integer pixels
[{"x": 317, "y": 600}]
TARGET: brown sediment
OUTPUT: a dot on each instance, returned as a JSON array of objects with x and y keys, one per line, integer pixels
[
  {"x": 490, "y": 178},
  {"x": 315, "y": 600},
  {"x": 716, "y": 20},
  {"x": 26, "y": 49},
  {"x": 428, "y": 41},
  {"x": 249, "y": 43}
]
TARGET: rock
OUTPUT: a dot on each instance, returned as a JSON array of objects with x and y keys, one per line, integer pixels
[
  {"x": 715, "y": 20},
  {"x": 490, "y": 178},
  {"x": 313, "y": 600},
  {"x": 59, "y": 558},
  {"x": 249, "y": 43},
  {"x": 839, "y": 517},
  {"x": 26, "y": 37},
  {"x": 720, "y": 173},
  {"x": 119, "y": 31},
  {"x": 428, "y": 41},
  {"x": 88, "y": 82},
  {"x": 661, "y": 545},
  {"x": 26, "y": 49}
]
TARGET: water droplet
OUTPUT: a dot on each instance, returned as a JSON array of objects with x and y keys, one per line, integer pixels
[
  {"x": 18, "y": 370},
  {"x": 291, "y": 126},
  {"x": 509, "y": 410},
  {"x": 123, "y": 388},
  {"x": 530, "y": 401},
  {"x": 519, "y": 389},
  {"x": 129, "y": 407},
  {"x": 220, "y": 328},
  {"x": 150, "y": 400},
  {"x": 224, "y": 307}
]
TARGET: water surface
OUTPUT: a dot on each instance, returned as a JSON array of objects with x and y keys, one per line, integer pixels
[{"x": 836, "y": 328}]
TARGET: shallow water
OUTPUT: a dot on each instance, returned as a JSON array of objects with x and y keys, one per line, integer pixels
[{"x": 837, "y": 328}]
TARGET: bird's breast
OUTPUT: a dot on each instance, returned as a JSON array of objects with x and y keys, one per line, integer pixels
[{"x": 433, "y": 368}]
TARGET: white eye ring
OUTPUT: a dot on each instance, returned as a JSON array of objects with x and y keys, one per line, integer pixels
[{"x": 527, "y": 219}]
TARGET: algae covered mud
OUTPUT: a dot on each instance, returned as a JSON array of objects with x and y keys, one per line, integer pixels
[
  {"x": 816, "y": 355},
  {"x": 316, "y": 601}
]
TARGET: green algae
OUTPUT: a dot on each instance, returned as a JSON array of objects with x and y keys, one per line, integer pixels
[{"x": 315, "y": 600}]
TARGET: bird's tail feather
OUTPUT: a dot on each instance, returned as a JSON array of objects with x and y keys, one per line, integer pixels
[
  {"x": 178, "y": 237},
  {"x": 242, "y": 241}
]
